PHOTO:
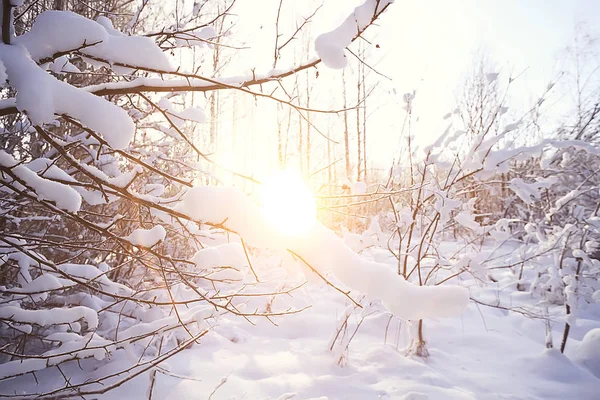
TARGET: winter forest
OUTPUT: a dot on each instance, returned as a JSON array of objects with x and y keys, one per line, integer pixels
[{"x": 279, "y": 199}]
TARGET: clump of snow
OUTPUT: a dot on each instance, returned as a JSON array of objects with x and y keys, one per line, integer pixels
[
  {"x": 41, "y": 96},
  {"x": 467, "y": 219},
  {"x": 62, "y": 65},
  {"x": 530, "y": 192},
  {"x": 61, "y": 31},
  {"x": 194, "y": 114},
  {"x": 65, "y": 197},
  {"x": 359, "y": 188},
  {"x": 229, "y": 254},
  {"x": 93, "y": 274},
  {"x": 223, "y": 262},
  {"x": 197, "y": 38},
  {"x": 147, "y": 237},
  {"x": 330, "y": 46},
  {"x": 55, "y": 316}
]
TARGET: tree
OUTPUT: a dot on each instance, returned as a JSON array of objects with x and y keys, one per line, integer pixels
[{"x": 109, "y": 244}]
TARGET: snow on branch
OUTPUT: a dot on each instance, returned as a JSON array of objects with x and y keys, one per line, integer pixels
[
  {"x": 61, "y": 32},
  {"x": 330, "y": 46},
  {"x": 323, "y": 250},
  {"x": 41, "y": 97}
]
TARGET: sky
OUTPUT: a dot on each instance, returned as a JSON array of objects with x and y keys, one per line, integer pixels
[
  {"x": 431, "y": 44},
  {"x": 427, "y": 46}
]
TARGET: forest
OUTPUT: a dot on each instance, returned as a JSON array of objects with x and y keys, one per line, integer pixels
[{"x": 235, "y": 199}]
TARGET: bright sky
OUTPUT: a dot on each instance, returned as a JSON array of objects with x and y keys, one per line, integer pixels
[{"x": 428, "y": 46}]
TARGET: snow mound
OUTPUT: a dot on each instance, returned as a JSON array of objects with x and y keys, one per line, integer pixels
[{"x": 587, "y": 352}]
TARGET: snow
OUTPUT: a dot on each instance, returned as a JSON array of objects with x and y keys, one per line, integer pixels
[
  {"x": 194, "y": 114},
  {"x": 65, "y": 197},
  {"x": 92, "y": 274},
  {"x": 43, "y": 283},
  {"x": 482, "y": 351},
  {"x": 530, "y": 192},
  {"x": 467, "y": 220},
  {"x": 198, "y": 38},
  {"x": 324, "y": 250},
  {"x": 230, "y": 254},
  {"x": 485, "y": 354},
  {"x": 62, "y": 65},
  {"x": 59, "y": 315},
  {"x": 330, "y": 46},
  {"x": 41, "y": 96},
  {"x": 59, "y": 31},
  {"x": 147, "y": 237},
  {"x": 359, "y": 188},
  {"x": 3, "y": 75}
]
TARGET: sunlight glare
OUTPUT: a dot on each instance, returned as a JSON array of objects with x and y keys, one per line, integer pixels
[{"x": 288, "y": 203}]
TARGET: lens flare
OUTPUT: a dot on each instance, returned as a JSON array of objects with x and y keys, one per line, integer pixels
[{"x": 288, "y": 203}]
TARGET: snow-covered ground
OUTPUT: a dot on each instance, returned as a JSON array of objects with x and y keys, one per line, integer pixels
[{"x": 487, "y": 353}]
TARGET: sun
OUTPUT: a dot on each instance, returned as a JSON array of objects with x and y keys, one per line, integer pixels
[{"x": 288, "y": 203}]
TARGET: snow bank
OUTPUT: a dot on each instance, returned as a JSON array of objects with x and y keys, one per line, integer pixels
[
  {"x": 330, "y": 46},
  {"x": 323, "y": 250},
  {"x": 587, "y": 352}
]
